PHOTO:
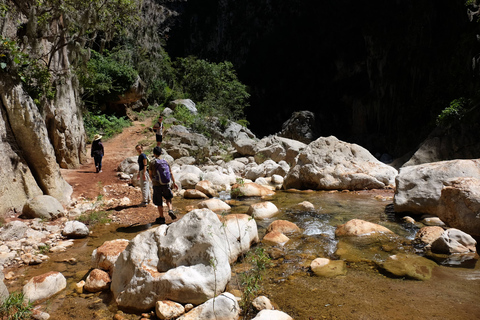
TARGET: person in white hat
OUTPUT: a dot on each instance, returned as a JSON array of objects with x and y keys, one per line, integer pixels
[{"x": 97, "y": 152}]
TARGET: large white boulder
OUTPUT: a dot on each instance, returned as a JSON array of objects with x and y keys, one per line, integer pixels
[
  {"x": 240, "y": 233},
  {"x": 418, "y": 188},
  {"x": 186, "y": 261},
  {"x": 330, "y": 164},
  {"x": 44, "y": 207},
  {"x": 223, "y": 307},
  {"x": 44, "y": 286}
]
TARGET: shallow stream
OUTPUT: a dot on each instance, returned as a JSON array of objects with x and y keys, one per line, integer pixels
[{"x": 365, "y": 292}]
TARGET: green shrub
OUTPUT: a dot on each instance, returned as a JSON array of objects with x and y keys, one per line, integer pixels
[
  {"x": 15, "y": 307},
  {"x": 452, "y": 113},
  {"x": 108, "y": 126},
  {"x": 94, "y": 217}
]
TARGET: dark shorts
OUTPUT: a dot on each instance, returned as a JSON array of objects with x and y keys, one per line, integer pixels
[
  {"x": 159, "y": 137},
  {"x": 159, "y": 192}
]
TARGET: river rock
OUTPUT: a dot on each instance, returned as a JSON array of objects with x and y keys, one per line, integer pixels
[
  {"x": 427, "y": 235},
  {"x": 224, "y": 307},
  {"x": 262, "y": 210},
  {"x": 411, "y": 266},
  {"x": 241, "y": 233},
  {"x": 251, "y": 189},
  {"x": 460, "y": 205},
  {"x": 44, "y": 286},
  {"x": 262, "y": 303},
  {"x": 305, "y": 206},
  {"x": 174, "y": 262},
  {"x": 188, "y": 180},
  {"x": 454, "y": 241},
  {"x": 206, "y": 187},
  {"x": 194, "y": 194},
  {"x": 330, "y": 164},
  {"x": 275, "y": 238},
  {"x": 168, "y": 309},
  {"x": 129, "y": 165},
  {"x": 245, "y": 146},
  {"x": 105, "y": 256},
  {"x": 44, "y": 207},
  {"x": 301, "y": 126},
  {"x": 97, "y": 280},
  {"x": 328, "y": 268},
  {"x": 272, "y": 314},
  {"x": 75, "y": 229},
  {"x": 283, "y": 226},
  {"x": 418, "y": 188},
  {"x": 357, "y": 227},
  {"x": 216, "y": 205}
]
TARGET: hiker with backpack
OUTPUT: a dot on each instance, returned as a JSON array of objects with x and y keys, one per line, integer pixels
[
  {"x": 143, "y": 175},
  {"x": 161, "y": 175},
  {"x": 158, "y": 129}
]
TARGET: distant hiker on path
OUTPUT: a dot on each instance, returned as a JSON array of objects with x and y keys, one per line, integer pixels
[
  {"x": 161, "y": 175},
  {"x": 143, "y": 176},
  {"x": 158, "y": 128},
  {"x": 97, "y": 152}
]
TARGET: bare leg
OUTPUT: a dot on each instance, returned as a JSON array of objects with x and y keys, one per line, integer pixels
[{"x": 160, "y": 211}]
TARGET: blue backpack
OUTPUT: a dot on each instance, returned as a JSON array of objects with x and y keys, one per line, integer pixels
[{"x": 163, "y": 171}]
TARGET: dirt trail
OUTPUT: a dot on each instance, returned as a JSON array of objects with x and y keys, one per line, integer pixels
[{"x": 89, "y": 185}]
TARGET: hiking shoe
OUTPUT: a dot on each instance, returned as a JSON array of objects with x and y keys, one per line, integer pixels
[
  {"x": 172, "y": 215},
  {"x": 160, "y": 220},
  {"x": 143, "y": 204}
]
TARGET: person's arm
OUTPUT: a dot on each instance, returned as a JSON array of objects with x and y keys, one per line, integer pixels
[
  {"x": 150, "y": 171},
  {"x": 101, "y": 144},
  {"x": 145, "y": 168},
  {"x": 173, "y": 179}
]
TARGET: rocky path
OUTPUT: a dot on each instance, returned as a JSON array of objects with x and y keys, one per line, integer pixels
[{"x": 106, "y": 185}]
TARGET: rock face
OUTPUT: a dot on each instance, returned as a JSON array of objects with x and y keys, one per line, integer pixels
[
  {"x": 300, "y": 126},
  {"x": 44, "y": 286},
  {"x": 460, "y": 205},
  {"x": 186, "y": 262},
  {"x": 37, "y": 140},
  {"x": 419, "y": 187},
  {"x": 330, "y": 164}
]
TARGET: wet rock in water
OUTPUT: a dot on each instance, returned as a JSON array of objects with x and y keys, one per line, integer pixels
[
  {"x": 275, "y": 238},
  {"x": 44, "y": 286},
  {"x": 305, "y": 206},
  {"x": 105, "y": 256},
  {"x": 75, "y": 229},
  {"x": 216, "y": 205},
  {"x": 272, "y": 314},
  {"x": 357, "y": 227},
  {"x": 97, "y": 280},
  {"x": 262, "y": 210},
  {"x": 262, "y": 303},
  {"x": 328, "y": 268},
  {"x": 168, "y": 309},
  {"x": 224, "y": 306},
  {"x": 427, "y": 235},
  {"x": 283, "y": 226},
  {"x": 432, "y": 221},
  {"x": 454, "y": 241},
  {"x": 206, "y": 187},
  {"x": 194, "y": 194},
  {"x": 250, "y": 189},
  {"x": 411, "y": 266}
]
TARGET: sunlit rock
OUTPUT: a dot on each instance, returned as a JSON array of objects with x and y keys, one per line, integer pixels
[
  {"x": 262, "y": 210},
  {"x": 194, "y": 194},
  {"x": 250, "y": 189},
  {"x": 418, "y": 188},
  {"x": 357, "y": 227},
  {"x": 186, "y": 261},
  {"x": 168, "y": 309},
  {"x": 305, "y": 206},
  {"x": 44, "y": 286},
  {"x": 262, "y": 303},
  {"x": 411, "y": 266},
  {"x": 97, "y": 280},
  {"x": 275, "y": 238},
  {"x": 323, "y": 267},
  {"x": 44, "y": 207},
  {"x": 241, "y": 233},
  {"x": 75, "y": 229},
  {"x": 272, "y": 314},
  {"x": 427, "y": 235},
  {"x": 224, "y": 307},
  {"x": 454, "y": 241},
  {"x": 216, "y": 205},
  {"x": 460, "y": 205},
  {"x": 105, "y": 256},
  {"x": 330, "y": 164},
  {"x": 206, "y": 187},
  {"x": 432, "y": 221},
  {"x": 283, "y": 226}
]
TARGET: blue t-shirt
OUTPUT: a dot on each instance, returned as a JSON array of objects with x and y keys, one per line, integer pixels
[{"x": 141, "y": 165}]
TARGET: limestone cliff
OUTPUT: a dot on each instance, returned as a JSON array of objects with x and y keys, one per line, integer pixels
[{"x": 37, "y": 138}]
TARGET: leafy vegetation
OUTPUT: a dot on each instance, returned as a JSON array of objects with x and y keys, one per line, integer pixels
[
  {"x": 452, "y": 113},
  {"x": 94, "y": 217},
  {"x": 106, "y": 125},
  {"x": 15, "y": 307}
]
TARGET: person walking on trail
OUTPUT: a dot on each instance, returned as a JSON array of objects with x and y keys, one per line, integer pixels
[
  {"x": 97, "y": 152},
  {"x": 143, "y": 175},
  {"x": 158, "y": 128},
  {"x": 161, "y": 175}
]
